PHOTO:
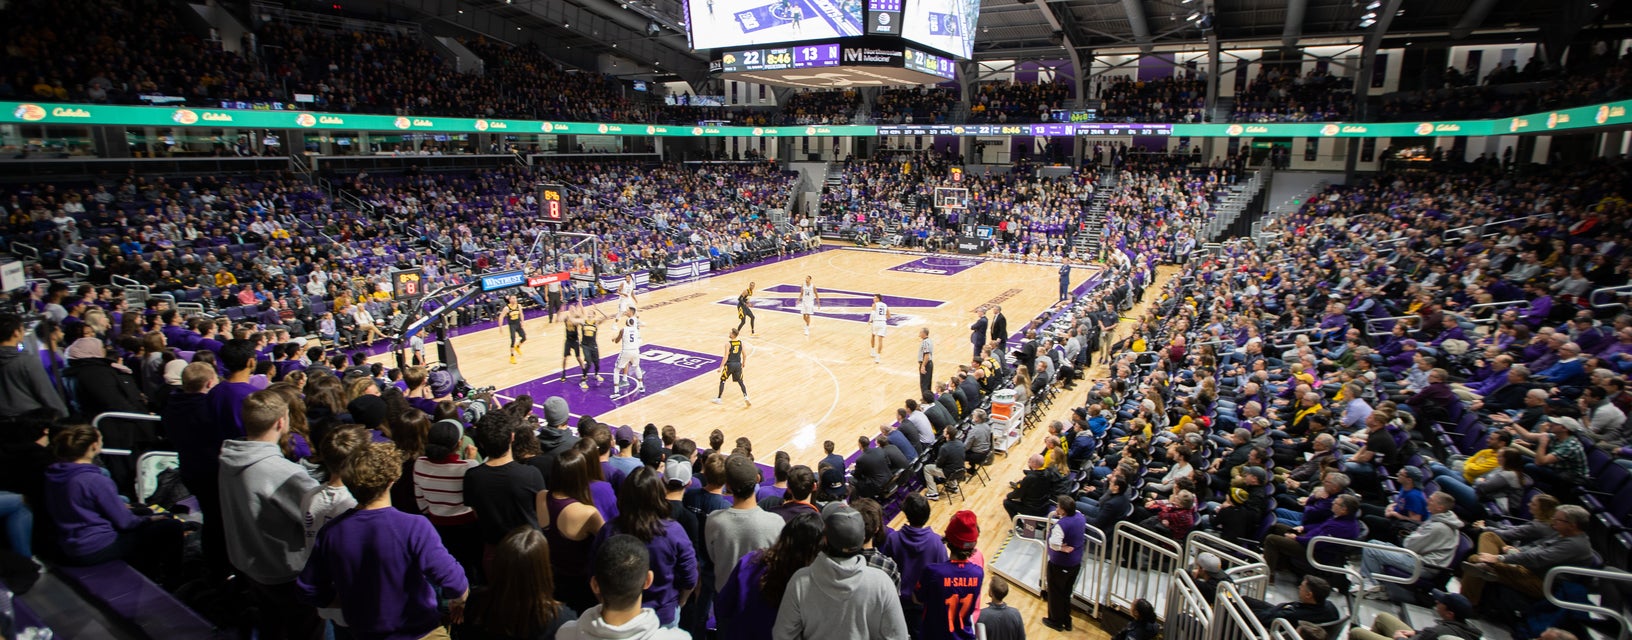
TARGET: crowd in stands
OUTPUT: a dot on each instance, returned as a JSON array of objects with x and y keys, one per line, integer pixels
[
  {"x": 820, "y": 107},
  {"x": 1179, "y": 99},
  {"x": 1280, "y": 95},
  {"x": 1597, "y": 79},
  {"x": 917, "y": 105},
  {"x": 1000, "y": 102},
  {"x": 1033, "y": 216}
]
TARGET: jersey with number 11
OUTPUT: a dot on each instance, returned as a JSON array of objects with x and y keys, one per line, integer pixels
[{"x": 950, "y": 592}]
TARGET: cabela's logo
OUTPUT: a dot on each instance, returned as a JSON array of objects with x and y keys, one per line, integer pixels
[
  {"x": 184, "y": 116},
  {"x": 696, "y": 131},
  {"x": 1553, "y": 119},
  {"x": 601, "y": 128},
  {"x": 403, "y": 123},
  {"x": 759, "y": 131},
  {"x": 546, "y": 127},
  {"x": 1603, "y": 114},
  {"x": 810, "y": 131},
  {"x": 481, "y": 125},
  {"x": 29, "y": 112},
  {"x": 651, "y": 130},
  {"x": 306, "y": 120},
  {"x": 1517, "y": 124},
  {"x": 1234, "y": 129},
  {"x": 1330, "y": 130},
  {"x": 1424, "y": 128}
]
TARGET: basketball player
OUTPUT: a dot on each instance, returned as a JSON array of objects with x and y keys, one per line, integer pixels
[
  {"x": 629, "y": 357},
  {"x": 512, "y": 318},
  {"x": 626, "y": 293},
  {"x": 591, "y": 348},
  {"x": 808, "y": 300},
  {"x": 731, "y": 368},
  {"x": 798, "y": 15},
  {"x": 880, "y": 323},
  {"x": 571, "y": 321},
  {"x": 745, "y": 313}
]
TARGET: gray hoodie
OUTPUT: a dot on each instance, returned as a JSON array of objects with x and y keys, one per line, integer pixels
[
  {"x": 24, "y": 385},
  {"x": 643, "y": 627},
  {"x": 840, "y": 599},
  {"x": 1435, "y": 539},
  {"x": 260, "y": 507}
]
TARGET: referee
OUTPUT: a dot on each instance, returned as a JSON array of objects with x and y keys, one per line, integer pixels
[
  {"x": 926, "y": 365},
  {"x": 731, "y": 369}
]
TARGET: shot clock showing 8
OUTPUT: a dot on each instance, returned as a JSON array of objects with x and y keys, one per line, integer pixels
[{"x": 552, "y": 203}]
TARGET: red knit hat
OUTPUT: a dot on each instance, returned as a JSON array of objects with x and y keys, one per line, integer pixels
[{"x": 963, "y": 531}]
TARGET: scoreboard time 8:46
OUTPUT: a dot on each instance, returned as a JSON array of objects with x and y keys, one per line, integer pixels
[{"x": 552, "y": 203}]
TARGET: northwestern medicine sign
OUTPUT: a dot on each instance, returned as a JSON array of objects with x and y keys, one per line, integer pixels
[{"x": 25, "y": 113}]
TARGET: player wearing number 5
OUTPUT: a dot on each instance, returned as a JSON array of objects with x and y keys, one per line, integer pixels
[
  {"x": 949, "y": 590},
  {"x": 731, "y": 368}
]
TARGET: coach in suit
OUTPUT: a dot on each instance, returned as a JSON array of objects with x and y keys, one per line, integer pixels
[
  {"x": 977, "y": 331},
  {"x": 1000, "y": 331}
]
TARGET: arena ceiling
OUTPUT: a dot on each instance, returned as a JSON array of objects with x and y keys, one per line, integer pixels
[{"x": 651, "y": 32}]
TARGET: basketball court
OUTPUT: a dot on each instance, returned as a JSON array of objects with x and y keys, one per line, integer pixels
[{"x": 805, "y": 389}]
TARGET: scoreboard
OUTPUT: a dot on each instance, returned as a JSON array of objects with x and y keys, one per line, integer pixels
[
  {"x": 778, "y": 58},
  {"x": 552, "y": 203}
]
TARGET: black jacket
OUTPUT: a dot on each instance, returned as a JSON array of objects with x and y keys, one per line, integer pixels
[
  {"x": 1035, "y": 493},
  {"x": 1000, "y": 328},
  {"x": 100, "y": 388}
]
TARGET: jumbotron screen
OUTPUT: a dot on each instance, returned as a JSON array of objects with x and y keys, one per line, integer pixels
[
  {"x": 725, "y": 24},
  {"x": 945, "y": 25}
]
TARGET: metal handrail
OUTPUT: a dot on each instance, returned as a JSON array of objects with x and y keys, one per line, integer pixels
[
  {"x": 1481, "y": 227},
  {"x": 1229, "y": 605},
  {"x": 1603, "y": 574},
  {"x": 1354, "y": 575},
  {"x": 123, "y": 281},
  {"x": 1040, "y": 524},
  {"x": 75, "y": 266},
  {"x": 1249, "y": 571},
  {"x": 1593, "y": 295},
  {"x": 96, "y": 423},
  {"x": 1371, "y": 325},
  {"x": 1184, "y": 598},
  {"x": 1280, "y": 629},
  {"x": 25, "y": 248}
]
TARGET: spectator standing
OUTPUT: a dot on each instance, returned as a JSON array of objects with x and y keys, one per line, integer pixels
[
  {"x": 643, "y": 512},
  {"x": 385, "y": 567},
  {"x": 999, "y": 621},
  {"x": 622, "y": 573},
  {"x": 948, "y": 590},
  {"x": 518, "y": 602},
  {"x": 24, "y": 385},
  {"x": 1065, "y": 547},
  {"x": 261, "y": 492},
  {"x": 731, "y": 533},
  {"x": 838, "y": 595},
  {"x": 914, "y": 547},
  {"x": 751, "y": 594},
  {"x": 503, "y": 492}
]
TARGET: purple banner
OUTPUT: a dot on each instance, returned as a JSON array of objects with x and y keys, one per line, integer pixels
[
  {"x": 937, "y": 266},
  {"x": 665, "y": 367}
]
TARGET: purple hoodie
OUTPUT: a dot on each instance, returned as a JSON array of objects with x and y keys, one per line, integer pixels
[
  {"x": 740, "y": 606},
  {"x": 85, "y": 504},
  {"x": 913, "y": 548},
  {"x": 386, "y": 568},
  {"x": 674, "y": 568}
]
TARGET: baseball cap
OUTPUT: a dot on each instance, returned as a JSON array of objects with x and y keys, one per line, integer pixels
[
  {"x": 833, "y": 482},
  {"x": 623, "y": 435},
  {"x": 651, "y": 452},
  {"x": 1456, "y": 602},
  {"x": 963, "y": 531},
  {"x": 1209, "y": 562},
  {"x": 678, "y": 472},
  {"x": 843, "y": 527}
]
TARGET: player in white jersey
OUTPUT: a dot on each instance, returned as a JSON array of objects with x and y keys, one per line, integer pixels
[
  {"x": 808, "y": 299},
  {"x": 626, "y": 294},
  {"x": 629, "y": 354},
  {"x": 880, "y": 322}
]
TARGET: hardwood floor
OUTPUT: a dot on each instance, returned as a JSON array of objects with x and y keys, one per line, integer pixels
[{"x": 804, "y": 389}]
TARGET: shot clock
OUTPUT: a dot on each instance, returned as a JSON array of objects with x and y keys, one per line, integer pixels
[{"x": 552, "y": 203}]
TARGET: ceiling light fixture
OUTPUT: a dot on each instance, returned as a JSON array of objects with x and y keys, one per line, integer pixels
[
  {"x": 1374, "y": 5},
  {"x": 1194, "y": 16},
  {"x": 1369, "y": 16},
  {"x": 1367, "y": 23}
]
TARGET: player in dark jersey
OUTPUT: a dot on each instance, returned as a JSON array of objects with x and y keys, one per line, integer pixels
[
  {"x": 591, "y": 359},
  {"x": 950, "y": 591},
  {"x": 571, "y": 321},
  {"x": 731, "y": 369},
  {"x": 745, "y": 313},
  {"x": 512, "y": 316}
]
